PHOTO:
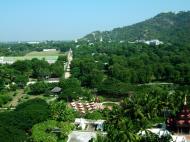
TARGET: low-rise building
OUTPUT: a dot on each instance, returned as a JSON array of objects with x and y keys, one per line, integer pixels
[
  {"x": 48, "y": 50},
  {"x": 1, "y": 60},
  {"x": 56, "y": 90},
  {"x": 149, "y": 42},
  {"x": 87, "y": 130},
  {"x": 85, "y": 124}
]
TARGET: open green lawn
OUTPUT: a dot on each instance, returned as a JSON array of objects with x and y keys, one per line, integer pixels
[
  {"x": 50, "y": 56},
  {"x": 43, "y": 53}
]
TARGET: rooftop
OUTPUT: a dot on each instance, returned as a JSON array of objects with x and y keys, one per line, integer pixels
[{"x": 56, "y": 90}]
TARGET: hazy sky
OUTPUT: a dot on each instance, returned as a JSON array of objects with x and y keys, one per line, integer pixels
[{"x": 70, "y": 19}]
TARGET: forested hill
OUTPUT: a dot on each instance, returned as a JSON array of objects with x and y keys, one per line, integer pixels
[{"x": 167, "y": 27}]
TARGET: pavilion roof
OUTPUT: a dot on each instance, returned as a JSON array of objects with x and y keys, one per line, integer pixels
[{"x": 56, "y": 90}]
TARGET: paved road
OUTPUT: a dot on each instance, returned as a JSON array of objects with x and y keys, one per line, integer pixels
[
  {"x": 156, "y": 83},
  {"x": 117, "y": 103},
  {"x": 68, "y": 64},
  {"x": 16, "y": 99}
]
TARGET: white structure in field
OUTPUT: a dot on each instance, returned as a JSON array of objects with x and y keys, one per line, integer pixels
[
  {"x": 154, "y": 42},
  {"x": 149, "y": 42},
  {"x": 47, "y": 50},
  {"x": 33, "y": 42},
  {"x": 76, "y": 40},
  {"x": 101, "y": 39},
  {"x": 1, "y": 60}
]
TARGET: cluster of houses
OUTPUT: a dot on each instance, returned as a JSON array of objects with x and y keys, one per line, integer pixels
[{"x": 84, "y": 107}]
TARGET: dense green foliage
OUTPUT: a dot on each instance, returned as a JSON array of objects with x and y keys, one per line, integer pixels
[
  {"x": 96, "y": 115},
  {"x": 72, "y": 90},
  {"x": 61, "y": 112},
  {"x": 20, "y": 71},
  {"x": 113, "y": 68},
  {"x": 15, "y": 124},
  {"x": 51, "y": 131},
  {"x": 38, "y": 88},
  {"x": 4, "y": 98},
  {"x": 139, "y": 112}
]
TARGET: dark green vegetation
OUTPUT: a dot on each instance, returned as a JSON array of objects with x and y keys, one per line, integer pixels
[
  {"x": 36, "y": 120},
  {"x": 58, "y": 114},
  {"x": 113, "y": 68},
  {"x": 72, "y": 90},
  {"x": 148, "y": 82},
  {"x": 4, "y": 98},
  {"x": 167, "y": 27},
  {"x": 151, "y": 81},
  {"x": 15, "y": 125},
  {"x": 51, "y": 131},
  {"x": 20, "y": 71}
]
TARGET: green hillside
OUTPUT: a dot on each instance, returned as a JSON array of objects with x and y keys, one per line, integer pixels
[{"x": 167, "y": 27}]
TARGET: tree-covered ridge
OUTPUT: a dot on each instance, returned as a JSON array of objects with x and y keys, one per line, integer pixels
[{"x": 167, "y": 27}]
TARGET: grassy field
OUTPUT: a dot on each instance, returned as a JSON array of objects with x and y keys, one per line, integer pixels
[
  {"x": 48, "y": 56},
  {"x": 43, "y": 53}
]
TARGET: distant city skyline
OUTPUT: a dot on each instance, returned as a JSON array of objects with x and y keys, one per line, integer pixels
[{"x": 37, "y": 20}]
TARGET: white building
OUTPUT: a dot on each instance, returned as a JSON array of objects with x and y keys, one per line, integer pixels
[
  {"x": 1, "y": 60},
  {"x": 101, "y": 39},
  {"x": 49, "y": 50},
  {"x": 33, "y": 42},
  {"x": 82, "y": 123},
  {"x": 76, "y": 40},
  {"x": 154, "y": 42},
  {"x": 149, "y": 42}
]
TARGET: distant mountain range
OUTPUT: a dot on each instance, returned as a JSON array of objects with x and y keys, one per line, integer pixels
[{"x": 167, "y": 27}]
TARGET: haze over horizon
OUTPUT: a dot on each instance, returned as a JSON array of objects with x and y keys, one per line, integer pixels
[{"x": 70, "y": 19}]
